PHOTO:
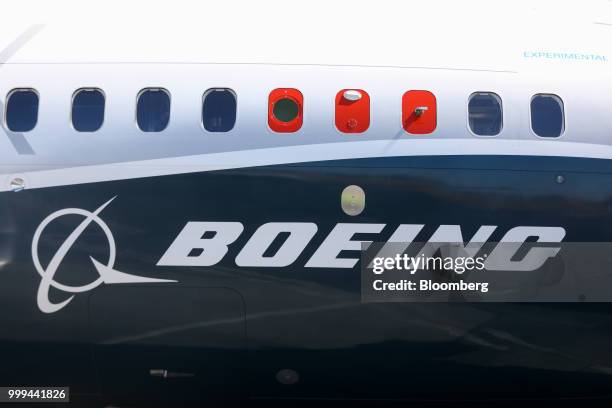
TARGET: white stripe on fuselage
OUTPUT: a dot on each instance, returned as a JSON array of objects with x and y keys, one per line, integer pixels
[{"x": 306, "y": 154}]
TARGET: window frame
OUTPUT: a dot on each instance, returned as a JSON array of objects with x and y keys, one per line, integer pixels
[
  {"x": 139, "y": 94},
  {"x": 6, "y": 105},
  {"x": 210, "y": 90},
  {"x": 563, "y": 116},
  {"x": 501, "y": 107},
  {"x": 275, "y": 126},
  {"x": 337, "y": 96},
  {"x": 74, "y": 94},
  {"x": 402, "y": 120}
]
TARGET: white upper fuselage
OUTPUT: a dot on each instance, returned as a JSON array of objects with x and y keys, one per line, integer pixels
[{"x": 452, "y": 50}]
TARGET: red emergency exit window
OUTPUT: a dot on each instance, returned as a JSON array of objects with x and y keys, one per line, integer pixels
[
  {"x": 419, "y": 114},
  {"x": 352, "y": 111},
  {"x": 285, "y": 110}
]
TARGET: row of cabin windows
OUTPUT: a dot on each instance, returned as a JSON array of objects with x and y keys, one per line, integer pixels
[{"x": 285, "y": 111}]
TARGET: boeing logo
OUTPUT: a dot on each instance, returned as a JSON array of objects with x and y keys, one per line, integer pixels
[
  {"x": 206, "y": 243},
  {"x": 107, "y": 273}
]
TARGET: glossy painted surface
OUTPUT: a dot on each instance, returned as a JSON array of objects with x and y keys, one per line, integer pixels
[
  {"x": 118, "y": 196},
  {"x": 236, "y": 327}
]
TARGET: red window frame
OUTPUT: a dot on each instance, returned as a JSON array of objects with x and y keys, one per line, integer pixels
[
  {"x": 285, "y": 93},
  {"x": 352, "y": 116}
]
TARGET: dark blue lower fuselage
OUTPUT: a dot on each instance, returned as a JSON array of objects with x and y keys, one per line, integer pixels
[{"x": 232, "y": 329}]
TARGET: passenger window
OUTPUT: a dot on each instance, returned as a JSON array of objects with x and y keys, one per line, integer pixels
[
  {"x": 285, "y": 110},
  {"x": 485, "y": 113},
  {"x": 219, "y": 110},
  {"x": 87, "y": 110},
  {"x": 22, "y": 110},
  {"x": 547, "y": 115},
  {"x": 153, "y": 109}
]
